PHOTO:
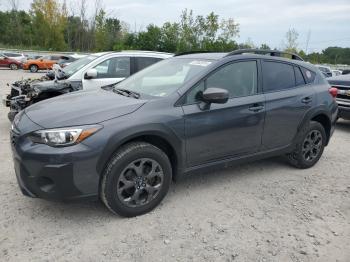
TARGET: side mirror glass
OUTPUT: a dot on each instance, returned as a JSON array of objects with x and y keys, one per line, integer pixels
[
  {"x": 215, "y": 95},
  {"x": 91, "y": 73}
]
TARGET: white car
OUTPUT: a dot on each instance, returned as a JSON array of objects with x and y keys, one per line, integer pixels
[
  {"x": 88, "y": 73},
  {"x": 101, "y": 69},
  {"x": 326, "y": 70},
  {"x": 16, "y": 56},
  {"x": 336, "y": 72}
]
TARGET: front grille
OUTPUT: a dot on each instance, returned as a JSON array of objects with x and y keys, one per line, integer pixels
[{"x": 343, "y": 96}]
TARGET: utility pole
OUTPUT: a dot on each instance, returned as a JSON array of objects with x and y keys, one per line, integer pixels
[{"x": 307, "y": 41}]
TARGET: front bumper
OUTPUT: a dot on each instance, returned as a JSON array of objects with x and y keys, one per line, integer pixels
[
  {"x": 54, "y": 173},
  {"x": 344, "y": 108}
]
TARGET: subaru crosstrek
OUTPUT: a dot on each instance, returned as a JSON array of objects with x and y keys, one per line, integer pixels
[{"x": 187, "y": 113}]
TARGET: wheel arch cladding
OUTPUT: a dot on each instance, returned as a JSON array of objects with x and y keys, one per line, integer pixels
[
  {"x": 156, "y": 139},
  {"x": 325, "y": 122}
]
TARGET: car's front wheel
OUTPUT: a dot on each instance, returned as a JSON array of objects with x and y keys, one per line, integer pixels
[
  {"x": 33, "y": 68},
  {"x": 136, "y": 179},
  {"x": 310, "y": 145},
  {"x": 13, "y": 66}
]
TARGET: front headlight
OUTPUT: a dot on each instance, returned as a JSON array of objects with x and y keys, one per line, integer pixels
[{"x": 64, "y": 136}]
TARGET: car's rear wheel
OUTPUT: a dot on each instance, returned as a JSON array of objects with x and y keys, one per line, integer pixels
[
  {"x": 310, "y": 145},
  {"x": 13, "y": 66},
  {"x": 33, "y": 68},
  {"x": 136, "y": 179}
]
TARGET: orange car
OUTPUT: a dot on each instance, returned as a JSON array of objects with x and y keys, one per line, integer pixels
[{"x": 42, "y": 63}]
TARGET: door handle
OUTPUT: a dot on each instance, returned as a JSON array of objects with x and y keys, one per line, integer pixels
[
  {"x": 306, "y": 100},
  {"x": 256, "y": 108}
]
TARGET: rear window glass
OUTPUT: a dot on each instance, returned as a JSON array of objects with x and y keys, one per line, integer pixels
[
  {"x": 277, "y": 76},
  {"x": 308, "y": 75},
  {"x": 299, "y": 79}
]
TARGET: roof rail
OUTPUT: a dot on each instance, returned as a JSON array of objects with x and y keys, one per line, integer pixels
[
  {"x": 195, "y": 52},
  {"x": 265, "y": 52}
]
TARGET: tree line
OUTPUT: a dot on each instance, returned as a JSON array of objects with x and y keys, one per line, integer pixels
[{"x": 50, "y": 25}]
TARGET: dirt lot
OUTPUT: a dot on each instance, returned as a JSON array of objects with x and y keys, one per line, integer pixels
[{"x": 264, "y": 211}]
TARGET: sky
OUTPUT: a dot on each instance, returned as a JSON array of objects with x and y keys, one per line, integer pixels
[{"x": 326, "y": 22}]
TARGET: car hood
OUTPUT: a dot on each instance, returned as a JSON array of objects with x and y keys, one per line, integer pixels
[
  {"x": 51, "y": 85},
  {"x": 81, "y": 108}
]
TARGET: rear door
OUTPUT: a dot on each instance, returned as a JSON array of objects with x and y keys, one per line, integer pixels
[
  {"x": 288, "y": 98},
  {"x": 230, "y": 129},
  {"x": 110, "y": 71}
]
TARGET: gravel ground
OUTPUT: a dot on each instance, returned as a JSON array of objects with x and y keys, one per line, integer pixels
[{"x": 263, "y": 211}]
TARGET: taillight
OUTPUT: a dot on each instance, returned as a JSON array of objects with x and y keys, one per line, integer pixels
[{"x": 333, "y": 91}]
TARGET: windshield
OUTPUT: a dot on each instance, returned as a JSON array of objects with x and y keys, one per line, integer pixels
[
  {"x": 76, "y": 65},
  {"x": 165, "y": 77}
]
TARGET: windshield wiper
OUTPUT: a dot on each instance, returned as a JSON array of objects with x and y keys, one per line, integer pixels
[{"x": 126, "y": 92}]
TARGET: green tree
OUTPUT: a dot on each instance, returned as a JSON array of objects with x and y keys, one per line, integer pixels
[{"x": 49, "y": 21}]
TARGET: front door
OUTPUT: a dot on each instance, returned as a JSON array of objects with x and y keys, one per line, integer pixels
[
  {"x": 110, "y": 71},
  {"x": 225, "y": 130}
]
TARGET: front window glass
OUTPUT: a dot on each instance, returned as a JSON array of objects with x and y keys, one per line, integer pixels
[
  {"x": 239, "y": 79},
  {"x": 116, "y": 67},
  {"x": 165, "y": 77},
  {"x": 76, "y": 65}
]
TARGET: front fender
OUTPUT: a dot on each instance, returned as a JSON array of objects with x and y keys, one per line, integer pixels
[{"x": 116, "y": 140}]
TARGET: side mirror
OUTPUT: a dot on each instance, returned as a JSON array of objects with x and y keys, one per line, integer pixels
[
  {"x": 215, "y": 95},
  {"x": 90, "y": 74}
]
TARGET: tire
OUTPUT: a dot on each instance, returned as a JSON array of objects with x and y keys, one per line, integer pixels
[
  {"x": 309, "y": 147},
  {"x": 33, "y": 68},
  {"x": 127, "y": 192},
  {"x": 13, "y": 67}
]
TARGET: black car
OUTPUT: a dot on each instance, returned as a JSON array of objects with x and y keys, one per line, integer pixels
[
  {"x": 342, "y": 83},
  {"x": 193, "y": 112}
]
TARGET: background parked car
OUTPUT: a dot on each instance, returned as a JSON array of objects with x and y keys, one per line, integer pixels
[
  {"x": 91, "y": 72},
  {"x": 9, "y": 62},
  {"x": 16, "y": 56},
  {"x": 33, "y": 56},
  {"x": 342, "y": 83},
  {"x": 326, "y": 70},
  {"x": 66, "y": 60},
  {"x": 42, "y": 63},
  {"x": 336, "y": 72},
  {"x": 345, "y": 72}
]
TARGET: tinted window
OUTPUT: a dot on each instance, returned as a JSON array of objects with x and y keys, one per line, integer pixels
[
  {"x": 55, "y": 58},
  {"x": 240, "y": 78},
  {"x": 277, "y": 76},
  {"x": 143, "y": 62},
  {"x": 12, "y": 54},
  {"x": 116, "y": 67},
  {"x": 299, "y": 79},
  {"x": 308, "y": 75}
]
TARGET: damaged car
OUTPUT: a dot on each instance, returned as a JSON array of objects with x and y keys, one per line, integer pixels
[{"x": 88, "y": 73}]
